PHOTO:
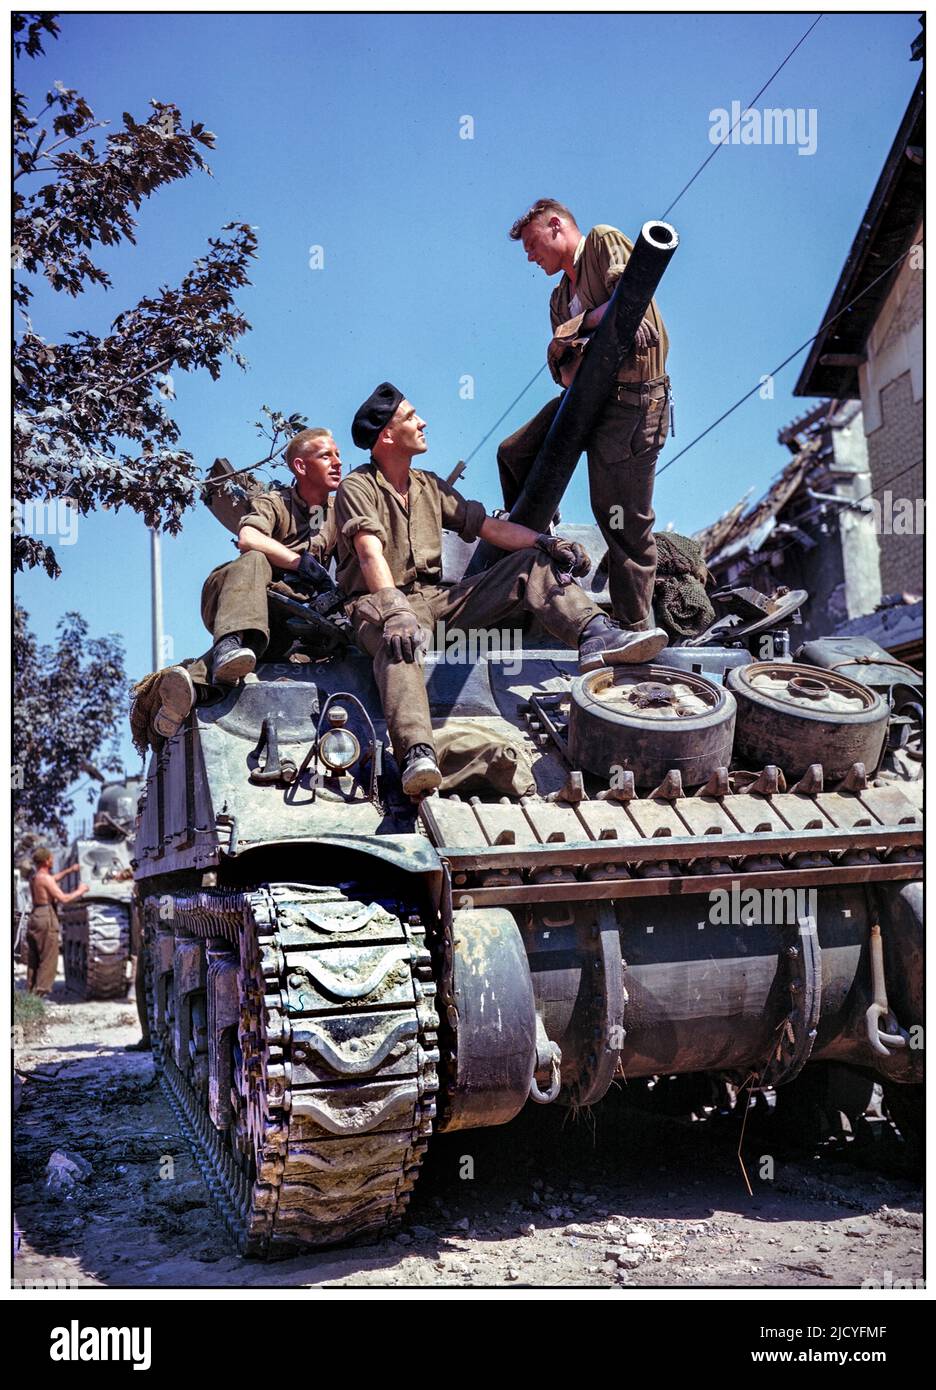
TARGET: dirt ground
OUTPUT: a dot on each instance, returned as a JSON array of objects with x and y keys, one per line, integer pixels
[{"x": 615, "y": 1198}]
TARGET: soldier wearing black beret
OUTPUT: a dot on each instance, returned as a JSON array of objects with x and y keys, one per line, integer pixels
[{"x": 389, "y": 520}]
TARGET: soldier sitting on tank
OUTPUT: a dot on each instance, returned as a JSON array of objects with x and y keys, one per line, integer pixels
[
  {"x": 389, "y": 519},
  {"x": 290, "y": 532}
]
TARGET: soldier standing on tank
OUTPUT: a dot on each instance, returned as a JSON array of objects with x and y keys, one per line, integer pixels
[
  {"x": 389, "y": 519},
  {"x": 43, "y": 938},
  {"x": 623, "y": 447},
  {"x": 285, "y": 532}
]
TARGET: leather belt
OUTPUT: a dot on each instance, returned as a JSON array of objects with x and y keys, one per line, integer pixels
[{"x": 640, "y": 392}]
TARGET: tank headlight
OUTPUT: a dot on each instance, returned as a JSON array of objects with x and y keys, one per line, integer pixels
[{"x": 338, "y": 749}]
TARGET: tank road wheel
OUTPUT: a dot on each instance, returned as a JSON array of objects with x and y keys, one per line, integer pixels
[
  {"x": 650, "y": 720},
  {"x": 794, "y": 715},
  {"x": 96, "y": 949},
  {"x": 314, "y": 1111}
]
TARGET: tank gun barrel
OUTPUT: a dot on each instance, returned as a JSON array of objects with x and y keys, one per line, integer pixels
[{"x": 583, "y": 401}]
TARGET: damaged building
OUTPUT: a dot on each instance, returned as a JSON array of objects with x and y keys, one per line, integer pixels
[{"x": 814, "y": 529}]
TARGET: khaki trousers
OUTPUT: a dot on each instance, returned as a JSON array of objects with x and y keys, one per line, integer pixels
[
  {"x": 43, "y": 940},
  {"x": 622, "y": 451},
  {"x": 523, "y": 582},
  {"x": 234, "y": 599}
]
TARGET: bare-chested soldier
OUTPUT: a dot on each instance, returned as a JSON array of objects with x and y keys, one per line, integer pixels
[{"x": 43, "y": 937}]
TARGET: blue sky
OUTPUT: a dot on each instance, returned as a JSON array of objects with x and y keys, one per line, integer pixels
[{"x": 342, "y": 131}]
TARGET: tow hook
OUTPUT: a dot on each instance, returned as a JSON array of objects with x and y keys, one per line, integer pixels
[
  {"x": 879, "y": 1016},
  {"x": 548, "y": 1059}
]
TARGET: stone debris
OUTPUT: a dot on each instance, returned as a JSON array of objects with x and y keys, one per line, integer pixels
[
  {"x": 64, "y": 1170},
  {"x": 626, "y": 1259},
  {"x": 639, "y": 1238}
]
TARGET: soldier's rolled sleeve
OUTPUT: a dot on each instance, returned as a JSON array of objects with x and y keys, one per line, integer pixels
[
  {"x": 264, "y": 516},
  {"x": 356, "y": 514},
  {"x": 613, "y": 254},
  {"x": 459, "y": 514}
]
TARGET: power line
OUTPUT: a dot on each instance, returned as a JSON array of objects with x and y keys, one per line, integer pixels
[
  {"x": 754, "y": 98},
  {"x": 500, "y": 418},
  {"x": 887, "y": 481},
  {"x": 748, "y": 394}
]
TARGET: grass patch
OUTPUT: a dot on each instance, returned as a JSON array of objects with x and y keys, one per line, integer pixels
[{"x": 30, "y": 1016}]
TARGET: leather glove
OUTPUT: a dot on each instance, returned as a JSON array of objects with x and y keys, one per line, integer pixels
[
  {"x": 404, "y": 637},
  {"x": 310, "y": 572},
  {"x": 569, "y": 556}
]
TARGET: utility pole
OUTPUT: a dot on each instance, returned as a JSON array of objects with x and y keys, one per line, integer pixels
[{"x": 157, "y": 598}]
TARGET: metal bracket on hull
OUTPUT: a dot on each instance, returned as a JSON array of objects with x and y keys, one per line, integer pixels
[
  {"x": 601, "y": 1060},
  {"x": 796, "y": 1035}
]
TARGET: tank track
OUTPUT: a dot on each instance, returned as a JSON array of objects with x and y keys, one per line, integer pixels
[
  {"x": 334, "y": 1089},
  {"x": 96, "y": 948}
]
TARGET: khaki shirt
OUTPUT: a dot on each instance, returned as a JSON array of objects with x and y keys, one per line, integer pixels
[
  {"x": 411, "y": 535},
  {"x": 283, "y": 515},
  {"x": 600, "y": 260}
]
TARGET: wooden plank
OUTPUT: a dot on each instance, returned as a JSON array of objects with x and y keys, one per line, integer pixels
[
  {"x": 451, "y": 823},
  {"x": 504, "y": 823},
  {"x": 653, "y": 817},
  {"x": 800, "y": 812},
  {"x": 752, "y": 813},
  {"x": 891, "y": 806},
  {"x": 705, "y": 815},
  {"x": 845, "y": 810},
  {"x": 601, "y": 816},
  {"x": 553, "y": 822}
]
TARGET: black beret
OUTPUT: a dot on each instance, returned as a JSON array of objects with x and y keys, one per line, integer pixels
[{"x": 377, "y": 411}]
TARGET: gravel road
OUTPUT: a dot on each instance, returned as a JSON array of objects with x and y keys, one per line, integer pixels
[{"x": 614, "y": 1198}]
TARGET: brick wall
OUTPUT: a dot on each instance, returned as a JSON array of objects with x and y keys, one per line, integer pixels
[{"x": 895, "y": 445}]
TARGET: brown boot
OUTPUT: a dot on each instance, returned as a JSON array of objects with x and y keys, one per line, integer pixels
[
  {"x": 177, "y": 696},
  {"x": 603, "y": 643}
]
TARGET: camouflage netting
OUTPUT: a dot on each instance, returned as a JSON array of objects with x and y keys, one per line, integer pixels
[{"x": 680, "y": 602}]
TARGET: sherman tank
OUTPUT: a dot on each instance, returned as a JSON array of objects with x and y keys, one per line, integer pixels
[
  {"x": 96, "y": 927},
  {"x": 336, "y": 973}
]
